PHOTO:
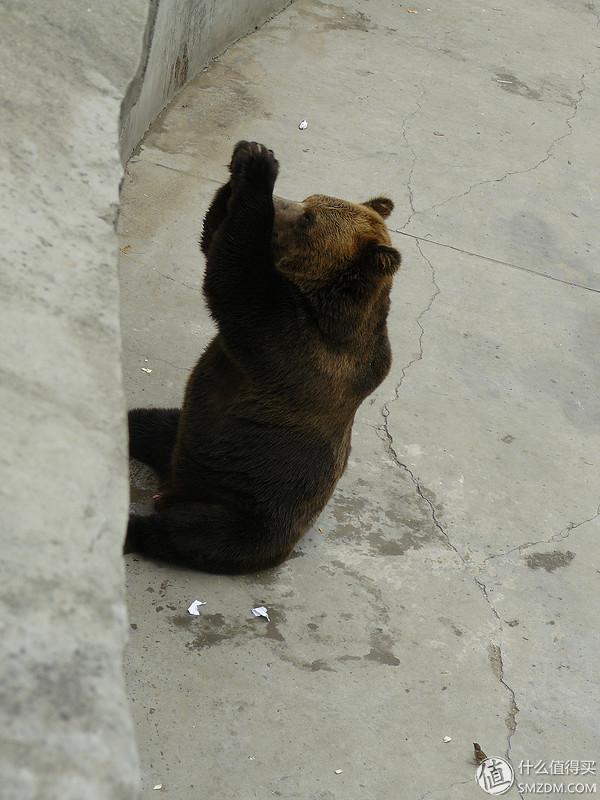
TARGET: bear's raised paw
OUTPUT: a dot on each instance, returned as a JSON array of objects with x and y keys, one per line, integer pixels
[{"x": 253, "y": 164}]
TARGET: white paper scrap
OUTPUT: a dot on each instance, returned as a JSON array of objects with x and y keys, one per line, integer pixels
[
  {"x": 447, "y": 739},
  {"x": 158, "y": 786},
  {"x": 303, "y": 125},
  {"x": 338, "y": 772},
  {"x": 261, "y": 611},
  {"x": 147, "y": 370},
  {"x": 194, "y": 609}
]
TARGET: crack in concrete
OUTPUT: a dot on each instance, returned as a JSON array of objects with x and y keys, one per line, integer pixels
[
  {"x": 405, "y": 121},
  {"x": 486, "y": 596},
  {"x": 175, "y": 169},
  {"x": 513, "y": 708},
  {"x": 175, "y": 280},
  {"x": 417, "y": 484},
  {"x": 558, "y": 537},
  {"x": 511, "y": 717},
  {"x": 425, "y": 310},
  {"x": 500, "y": 261},
  {"x": 385, "y": 410},
  {"x": 548, "y": 154}
]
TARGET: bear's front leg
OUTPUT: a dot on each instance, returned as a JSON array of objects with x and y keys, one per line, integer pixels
[
  {"x": 240, "y": 282},
  {"x": 215, "y": 215}
]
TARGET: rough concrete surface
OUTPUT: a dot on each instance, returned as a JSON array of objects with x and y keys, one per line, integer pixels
[
  {"x": 65, "y": 726},
  {"x": 181, "y": 37},
  {"x": 450, "y": 587}
]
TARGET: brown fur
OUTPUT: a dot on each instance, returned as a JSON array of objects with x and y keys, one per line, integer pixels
[{"x": 300, "y": 292}]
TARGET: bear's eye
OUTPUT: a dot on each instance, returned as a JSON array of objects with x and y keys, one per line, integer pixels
[{"x": 306, "y": 218}]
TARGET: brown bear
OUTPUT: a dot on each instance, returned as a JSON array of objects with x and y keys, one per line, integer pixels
[{"x": 300, "y": 294}]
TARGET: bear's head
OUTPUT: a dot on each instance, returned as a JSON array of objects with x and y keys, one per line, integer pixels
[{"x": 339, "y": 255}]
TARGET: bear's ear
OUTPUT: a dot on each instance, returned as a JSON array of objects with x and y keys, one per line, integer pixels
[
  {"x": 383, "y": 259},
  {"x": 382, "y": 205}
]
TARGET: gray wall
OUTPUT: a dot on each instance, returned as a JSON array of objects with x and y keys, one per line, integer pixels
[
  {"x": 181, "y": 37},
  {"x": 65, "y": 727}
]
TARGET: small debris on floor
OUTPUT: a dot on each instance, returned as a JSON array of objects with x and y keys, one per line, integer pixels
[
  {"x": 338, "y": 771},
  {"x": 194, "y": 608},
  {"x": 438, "y": 133},
  {"x": 411, "y": 11},
  {"x": 157, "y": 787},
  {"x": 125, "y": 249},
  {"x": 261, "y": 611},
  {"x": 479, "y": 754},
  {"x": 303, "y": 125},
  {"x": 147, "y": 370},
  {"x": 447, "y": 739}
]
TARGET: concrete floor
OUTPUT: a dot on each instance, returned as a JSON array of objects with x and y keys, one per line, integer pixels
[{"x": 451, "y": 586}]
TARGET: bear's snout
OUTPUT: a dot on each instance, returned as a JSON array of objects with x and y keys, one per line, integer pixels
[{"x": 287, "y": 214}]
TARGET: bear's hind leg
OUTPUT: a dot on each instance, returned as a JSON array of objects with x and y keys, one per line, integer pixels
[
  {"x": 207, "y": 537},
  {"x": 152, "y": 433}
]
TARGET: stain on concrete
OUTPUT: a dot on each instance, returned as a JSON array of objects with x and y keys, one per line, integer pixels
[
  {"x": 182, "y": 620},
  {"x": 381, "y": 649},
  {"x": 331, "y": 17},
  {"x": 510, "y": 83},
  {"x": 214, "y": 631},
  {"x": 277, "y": 618},
  {"x": 450, "y": 624},
  {"x": 512, "y": 623},
  {"x": 229, "y": 103},
  {"x": 179, "y": 70},
  {"x": 403, "y": 523},
  {"x": 452, "y": 54},
  {"x": 549, "y": 561},
  {"x": 319, "y": 664},
  {"x": 495, "y": 657},
  {"x": 508, "y": 439}
]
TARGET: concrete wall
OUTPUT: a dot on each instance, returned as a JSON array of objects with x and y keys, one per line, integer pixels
[
  {"x": 181, "y": 37},
  {"x": 65, "y": 727},
  {"x": 65, "y": 67}
]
